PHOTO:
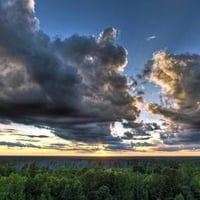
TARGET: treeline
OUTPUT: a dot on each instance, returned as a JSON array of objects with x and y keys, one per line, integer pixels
[{"x": 149, "y": 182}]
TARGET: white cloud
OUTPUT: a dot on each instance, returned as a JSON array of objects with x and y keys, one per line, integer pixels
[{"x": 151, "y": 37}]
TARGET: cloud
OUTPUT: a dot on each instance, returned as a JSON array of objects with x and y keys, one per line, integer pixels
[
  {"x": 178, "y": 134},
  {"x": 87, "y": 132},
  {"x": 177, "y": 137},
  {"x": 78, "y": 76},
  {"x": 31, "y": 136},
  {"x": 179, "y": 78},
  {"x": 18, "y": 144},
  {"x": 120, "y": 147},
  {"x": 31, "y": 5},
  {"x": 191, "y": 147},
  {"x": 74, "y": 86},
  {"x": 151, "y": 37}
]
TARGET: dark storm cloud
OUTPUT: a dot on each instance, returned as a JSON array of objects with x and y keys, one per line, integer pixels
[
  {"x": 181, "y": 134},
  {"x": 169, "y": 148},
  {"x": 78, "y": 147},
  {"x": 139, "y": 130},
  {"x": 30, "y": 136},
  {"x": 18, "y": 144},
  {"x": 72, "y": 86},
  {"x": 120, "y": 146},
  {"x": 88, "y": 133},
  {"x": 144, "y": 144},
  {"x": 128, "y": 146},
  {"x": 38, "y": 136},
  {"x": 179, "y": 78},
  {"x": 193, "y": 147},
  {"x": 77, "y": 76}
]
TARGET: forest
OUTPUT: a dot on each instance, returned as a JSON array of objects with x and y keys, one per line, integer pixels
[{"x": 139, "y": 181}]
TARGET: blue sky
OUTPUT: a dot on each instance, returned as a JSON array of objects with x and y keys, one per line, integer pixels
[{"x": 175, "y": 23}]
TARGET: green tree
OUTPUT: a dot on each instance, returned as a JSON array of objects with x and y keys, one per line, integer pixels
[
  {"x": 103, "y": 193},
  {"x": 12, "y": 187},
  {"x": 179, "y": 197}
]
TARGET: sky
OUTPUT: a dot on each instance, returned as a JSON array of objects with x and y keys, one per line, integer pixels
[{"x": 99, "y": 77}]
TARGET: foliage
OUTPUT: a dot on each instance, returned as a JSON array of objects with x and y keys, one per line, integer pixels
[{"x": 138, "y": 182}]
